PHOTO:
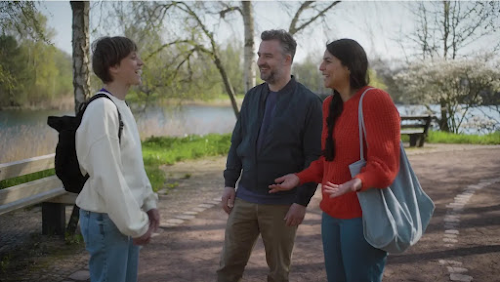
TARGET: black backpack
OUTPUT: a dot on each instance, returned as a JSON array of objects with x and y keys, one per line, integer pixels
[{"x": 65, "y": 162}]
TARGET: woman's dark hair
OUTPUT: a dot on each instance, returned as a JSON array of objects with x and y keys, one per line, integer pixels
[
  {"x": 353, "y": 56},
  {"x": 108, "y": 52}
]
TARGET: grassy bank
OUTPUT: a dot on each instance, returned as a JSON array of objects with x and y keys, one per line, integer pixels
[
  {"x": 159, "y": 151},
  {"x": 450, "y": 138}
]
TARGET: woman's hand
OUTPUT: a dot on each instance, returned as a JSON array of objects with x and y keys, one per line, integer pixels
[
  {"x": 284, "y": 183},
  {"x": 335, "y": 190}
]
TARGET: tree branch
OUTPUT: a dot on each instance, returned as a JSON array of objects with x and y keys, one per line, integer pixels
[
  {"x": 230, "y": 9},
  {"x": 302, "y": 8},
  {"x": 293, "y": 29}
]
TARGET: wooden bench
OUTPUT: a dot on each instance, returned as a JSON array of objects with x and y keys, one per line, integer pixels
[
  {"x": 416, "y": 127},
  {"x": 48, "y": 190}
]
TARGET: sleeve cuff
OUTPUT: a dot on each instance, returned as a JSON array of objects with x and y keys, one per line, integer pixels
[{"x": 150, "y": 204}]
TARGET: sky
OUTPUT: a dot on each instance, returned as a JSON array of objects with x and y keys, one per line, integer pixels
[{"x": 376, "y": 25}]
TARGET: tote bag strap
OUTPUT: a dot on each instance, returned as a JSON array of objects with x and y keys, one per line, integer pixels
[{"x": 361, "y": 125}]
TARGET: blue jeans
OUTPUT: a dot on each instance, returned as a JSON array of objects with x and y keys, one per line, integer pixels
[
  {"x": 113, "y": 256},
  {"x": 348, "y": 257}
]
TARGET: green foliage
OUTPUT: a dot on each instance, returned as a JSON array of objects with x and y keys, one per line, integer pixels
[
  {"x": 232, "y": 60},
  {"x": 375, "y": 80},
  {"x": 22, "y": 19},
  {"x": 10, "y": 70},
  {"x": 32, "y": 71},
  {"x": 307, "y": 73}
]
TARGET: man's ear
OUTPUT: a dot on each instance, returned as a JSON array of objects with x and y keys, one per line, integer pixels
[{"x": 288, "y": 58}]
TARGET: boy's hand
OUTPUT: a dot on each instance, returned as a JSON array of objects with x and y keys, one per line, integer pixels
[
  {"x": 154, "y": 219},
  {"x": 144, "y": 239}
]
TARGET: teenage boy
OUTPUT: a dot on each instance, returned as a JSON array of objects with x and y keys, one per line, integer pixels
[{"x": 117, "y": 204}]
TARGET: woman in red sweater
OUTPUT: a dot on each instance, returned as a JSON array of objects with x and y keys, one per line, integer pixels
[{"x": 348, "y": 257}]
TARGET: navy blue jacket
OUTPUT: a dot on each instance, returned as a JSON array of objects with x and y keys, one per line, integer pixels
[{"x": 292, "y": 142}]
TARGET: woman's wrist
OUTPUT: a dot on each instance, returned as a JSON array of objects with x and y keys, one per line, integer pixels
[{"x": 357, "y": 185}]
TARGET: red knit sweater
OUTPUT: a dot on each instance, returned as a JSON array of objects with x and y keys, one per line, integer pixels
[{"x": 382, "y": 124}]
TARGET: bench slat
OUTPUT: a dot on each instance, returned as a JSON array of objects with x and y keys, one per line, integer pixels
[
  {"x": 27, "y": 166},
  {"x": 415, "y": 117},
  {"x": 410, "y": 132},
  {"x": 413, "y": 125},
  {"x": 68, "y": 198},
  {"x": 34, "y": 199},
  {"x": 32, "y": 188}
]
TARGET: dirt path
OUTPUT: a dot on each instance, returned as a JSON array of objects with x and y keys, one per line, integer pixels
[
  {"x": 462, "y": 242},
  {"x": 190, "y": 251}
]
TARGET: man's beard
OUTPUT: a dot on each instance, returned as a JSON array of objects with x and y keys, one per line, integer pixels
[{"x": 270, "y": 77}]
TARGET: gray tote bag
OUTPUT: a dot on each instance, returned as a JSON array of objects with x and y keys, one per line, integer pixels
[{"x": 394, "y": 218}]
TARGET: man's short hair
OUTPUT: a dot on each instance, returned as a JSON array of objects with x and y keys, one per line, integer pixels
[
  {"x": 286, "y": 40},
  {"x": 108, "y": 52}
]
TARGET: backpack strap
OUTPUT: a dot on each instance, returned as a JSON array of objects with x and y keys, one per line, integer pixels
[{"x": 84, "y": 106}]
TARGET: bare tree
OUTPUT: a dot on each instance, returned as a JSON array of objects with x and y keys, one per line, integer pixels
[
  {"x": 197, "y": 33},
  {"x": 245, "y": 8},
  {"x": 81, "y": 51},
  {"x": 446, "y": 29},
  {"x": 249, "y": 61},
  {"x": 307, "y": 13}
]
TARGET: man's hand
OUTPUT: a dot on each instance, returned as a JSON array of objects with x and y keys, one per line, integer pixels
[
  {"x": 154, "y": 219},
  {"x": 228, "y": 199},
  {"x": 284, "y": 183},
  {"x": 295, "y": 215},
  {"x": 335, "y": 190}
]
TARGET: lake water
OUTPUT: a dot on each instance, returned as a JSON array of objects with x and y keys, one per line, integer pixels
[
  {"x": 172, "y": 121},
  {"x": 24, "y": 133}
]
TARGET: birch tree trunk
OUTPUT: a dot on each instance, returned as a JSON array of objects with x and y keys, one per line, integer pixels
[
  {"x": 249, "y": 61},
  {"x": 81, "y": 51}
]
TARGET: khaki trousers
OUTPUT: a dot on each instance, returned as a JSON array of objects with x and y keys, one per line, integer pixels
[{"x": 246, "y": 221}]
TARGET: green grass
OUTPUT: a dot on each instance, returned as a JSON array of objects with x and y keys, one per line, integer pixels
[
  {"x": 169, "y": 150},
  {"x": 156, "y": 176},
  {"x": 158, "y": 151},
  {"x": 450, "y": 138},
  {"x": 26, "y": 178}
]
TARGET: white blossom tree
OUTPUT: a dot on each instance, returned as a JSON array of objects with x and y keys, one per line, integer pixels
[{"x": 457, "y": 85}]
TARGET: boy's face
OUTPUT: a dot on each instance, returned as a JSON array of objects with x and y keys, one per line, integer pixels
[{"x": 129, "y": 70}]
